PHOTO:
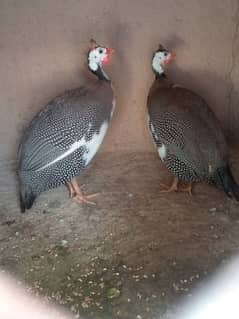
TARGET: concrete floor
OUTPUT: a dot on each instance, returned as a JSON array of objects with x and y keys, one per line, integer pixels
[{"x": 132, "y": 255}]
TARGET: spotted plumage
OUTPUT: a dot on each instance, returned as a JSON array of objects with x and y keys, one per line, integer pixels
[
  {"x": 63, "y": 138},
  {"x": 186, "y": 132}
]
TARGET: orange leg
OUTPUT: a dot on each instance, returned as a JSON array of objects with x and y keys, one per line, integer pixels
[
  {"x": 76, "y": 193},
  {"x": 172, "y": 188},
  {"x": 175, "y": 187},
  {"x": 70, "y": 189},
  {"x": 187, "y": 189}
]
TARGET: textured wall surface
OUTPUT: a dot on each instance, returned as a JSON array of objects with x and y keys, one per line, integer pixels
[{"x": 43, "y": 47}]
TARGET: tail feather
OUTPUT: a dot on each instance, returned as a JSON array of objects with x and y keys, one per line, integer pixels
[
  {"x": 27, "y": 198},
  {"x": 226, "y": 179}
]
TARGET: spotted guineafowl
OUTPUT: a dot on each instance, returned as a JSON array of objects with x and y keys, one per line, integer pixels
[
  {"x": 188, "y": 137},
  {"x": 64, "y": 137}
]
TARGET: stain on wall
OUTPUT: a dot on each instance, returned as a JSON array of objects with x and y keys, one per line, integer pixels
[{"x": 43, "y": 47}]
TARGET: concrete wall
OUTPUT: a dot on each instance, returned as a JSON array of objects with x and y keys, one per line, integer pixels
[{"x": 43, "y": 46}]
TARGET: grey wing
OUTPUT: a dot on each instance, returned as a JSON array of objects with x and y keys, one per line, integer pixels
[
  {"x": 42, "y": 143},
  {"x": 53, "y": 131},
  {"x": 180, "y": 139},
  {"x": 185, "y": 124}
]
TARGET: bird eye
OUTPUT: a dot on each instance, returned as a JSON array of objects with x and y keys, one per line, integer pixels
[
  {"x": 165, "y": 54},
  {"x": 100, "y": 51}
]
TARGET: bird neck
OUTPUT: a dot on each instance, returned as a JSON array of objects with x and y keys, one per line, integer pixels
[
  {"x": 100, "y": 73},
  {"x": 160, "y": 76},
  {"x": 161, "y": 82}
]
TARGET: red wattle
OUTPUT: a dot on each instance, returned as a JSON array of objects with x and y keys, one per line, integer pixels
[{"x": 106, "y": 60}]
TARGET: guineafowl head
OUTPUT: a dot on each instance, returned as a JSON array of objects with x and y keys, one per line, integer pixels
[
  {"x": 98, "y": 56},
  {"x": 161, "y": 58}
]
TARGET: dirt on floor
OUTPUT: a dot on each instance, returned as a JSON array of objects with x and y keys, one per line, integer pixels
[{"x": 134, "y": 254}]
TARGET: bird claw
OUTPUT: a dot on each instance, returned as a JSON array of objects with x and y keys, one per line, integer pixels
[
  {"x": 79, "y": 197},
  {"x": 187, "y": 189},
  {"x": 168, "y": 189},
  {"x": 175, "y": 188},
  {"x": 75, "y": 192}
]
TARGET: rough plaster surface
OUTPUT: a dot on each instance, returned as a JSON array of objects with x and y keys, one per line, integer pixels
[{"x": 43, "y": 46}]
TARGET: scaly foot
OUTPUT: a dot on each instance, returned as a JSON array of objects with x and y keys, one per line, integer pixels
[
  {"x": 70, "y": 189},
  {"x": 172, "y": 188},
  {"x": 76, "y": 193},
  {"x": 187, "y": 189},
  {"x": 176, "y": 188},
  {"x": 80, "y": 198}
]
